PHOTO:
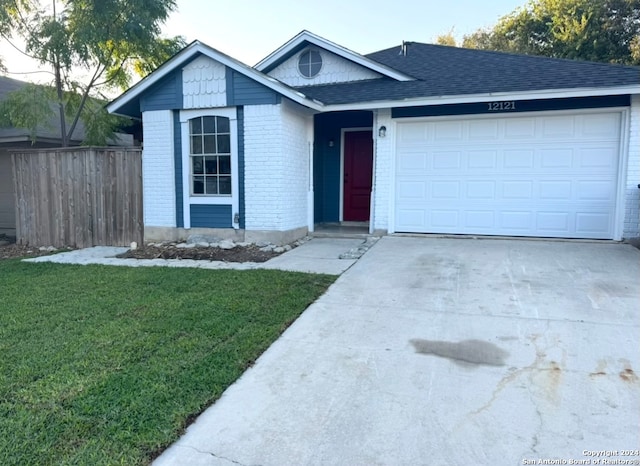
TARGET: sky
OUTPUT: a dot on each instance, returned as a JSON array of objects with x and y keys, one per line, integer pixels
[{"x": 249, "y": 30}]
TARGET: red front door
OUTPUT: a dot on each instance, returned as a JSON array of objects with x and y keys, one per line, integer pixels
[{"x": 358, "y": 170}]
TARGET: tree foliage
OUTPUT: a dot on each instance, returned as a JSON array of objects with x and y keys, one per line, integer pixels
[
  {"x": 594, "y": 30},
  {"x": 447, "y": 39},
  {"x": 91, "y": 47}
]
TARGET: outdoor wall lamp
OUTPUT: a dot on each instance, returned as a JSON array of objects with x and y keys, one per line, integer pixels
[
  {"x": 331, "y": 143},
  {"x": 382, "y": 132}
]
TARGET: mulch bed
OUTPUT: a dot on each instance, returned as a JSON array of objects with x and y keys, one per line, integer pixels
[
  {"x": 238, "y": 254},
  {"x": 10, "y": 250}
]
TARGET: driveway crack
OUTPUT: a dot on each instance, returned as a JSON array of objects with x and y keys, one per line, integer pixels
[{"x": 220, "y": 457}]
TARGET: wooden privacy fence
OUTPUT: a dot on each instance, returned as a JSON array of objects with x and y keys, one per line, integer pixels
[{"x": 79, "y": 197}]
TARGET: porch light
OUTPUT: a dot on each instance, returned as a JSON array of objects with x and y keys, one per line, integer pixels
[
  {"x": 382, "y": 132},
  {"x": 331, "y": 143}
]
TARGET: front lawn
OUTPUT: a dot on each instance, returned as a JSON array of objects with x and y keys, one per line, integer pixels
[{"x": 108, "y": 365}]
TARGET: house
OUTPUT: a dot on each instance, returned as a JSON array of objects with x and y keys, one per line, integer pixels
[
  {"x": 47, "y": 135},
  {"x": 415, "y": 138}
]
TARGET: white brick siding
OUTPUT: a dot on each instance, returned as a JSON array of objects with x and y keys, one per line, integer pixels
[
  {"x": 632, "y": 193},
  {"x": 204, "y": 84},
  {"x": 296, "y": 148},
  {"x": 384, "y": 171},
  {"x": 335, "y": 69},
  {"x": 276, "y": 167},
  {"x": 158, "y": 169}
]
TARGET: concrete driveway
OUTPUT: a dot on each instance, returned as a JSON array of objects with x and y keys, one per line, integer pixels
[{"x": 445, "y": 352}]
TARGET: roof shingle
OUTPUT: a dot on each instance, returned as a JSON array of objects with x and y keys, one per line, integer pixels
[{"x": 448, "y": 71}]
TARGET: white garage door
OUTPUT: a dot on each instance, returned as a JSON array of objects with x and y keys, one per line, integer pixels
[{"x": 548, "y": 176}]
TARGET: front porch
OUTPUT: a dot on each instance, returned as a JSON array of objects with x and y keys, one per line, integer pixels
[{"x": 343, "y": 160}]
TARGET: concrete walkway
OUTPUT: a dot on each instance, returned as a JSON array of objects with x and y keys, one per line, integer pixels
[
  {"x": 318, "y": 255},
  {"x": 435, "y": 351}
]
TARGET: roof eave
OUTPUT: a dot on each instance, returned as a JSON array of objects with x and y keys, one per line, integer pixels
[
  {"x": 487, "y": 97},
  {"x": 283, "y": 52}
]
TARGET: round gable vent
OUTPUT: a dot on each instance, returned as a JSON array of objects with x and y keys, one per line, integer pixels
[{"x": 310, "y": 63}]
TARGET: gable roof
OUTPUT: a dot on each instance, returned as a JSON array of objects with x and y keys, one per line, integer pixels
[
  {"x": 426, "y": 74},
  {"x": 126, "y": 100},
  {"x": 306, "y": 38},
  {"x": 443, "y": 71}
]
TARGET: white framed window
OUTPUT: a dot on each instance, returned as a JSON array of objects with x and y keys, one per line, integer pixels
[
  {"x": 210, "y": 159},
  {"x": 210, "y": 155},
  {"x": 310, "y": 63}
]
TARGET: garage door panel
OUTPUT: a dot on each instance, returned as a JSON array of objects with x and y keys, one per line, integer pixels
[
  {"x": 592, "y": 223},
  {"x": 553, "y": 223},
  {"x": 512, "y": 221},
  {"x": 558, "y": 127},
  {"x": 558, "y": 189},
  {"x": 444, "y": 218},
  {"x": 600, "y": 126},
  {"x": 447, "y": 131},
  {"x": 550, "y": 187},
  {"x": 485, "y": 189},
  {"x": 446, "y": 160},
  {"x": 445, "y": 190},
  {"x": 482, "y": 160},
  {"x": 413, "y": 161},
  {"x": 518, "y": 159},
  {"x": 595, "y": 190},
  {"x": 598, "y": 158},
  {"x": 517, "y": 190},
  {"x": 519, "y": 128},
  {"x": 408, "y": 190}
]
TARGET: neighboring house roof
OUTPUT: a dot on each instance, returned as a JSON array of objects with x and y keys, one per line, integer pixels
[
  {"x": 48, "y": 132},
  {"x": 451, "y": 71},
  {"x": 306, "y": 38}
]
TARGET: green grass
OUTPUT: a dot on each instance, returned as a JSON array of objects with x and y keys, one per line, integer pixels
[{"x": 108, "y": 365}]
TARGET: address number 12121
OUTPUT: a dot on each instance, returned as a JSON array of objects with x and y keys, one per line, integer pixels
[{"x": 497, "y": 106}]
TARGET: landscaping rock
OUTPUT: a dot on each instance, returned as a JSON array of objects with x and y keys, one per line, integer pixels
[
  {"x": 226, "y": 244},
  {"x": 185, "y": 245}
]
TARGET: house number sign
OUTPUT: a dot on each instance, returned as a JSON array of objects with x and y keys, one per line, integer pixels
[{"x": 501, "y": 106}]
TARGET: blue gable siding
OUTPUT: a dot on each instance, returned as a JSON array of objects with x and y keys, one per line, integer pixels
[
  {"x": 210, "y": 216},
  {"x": 241, "y": 164},
  {"x": 242, "y": 90},
  {"x": 177, "y": 157},
  {"x": 166, "y": 94}
]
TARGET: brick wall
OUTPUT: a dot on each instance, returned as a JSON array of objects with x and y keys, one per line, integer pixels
[
  {"x": 263, "y": 167},
  {"x": 158, "y": 169},
  {"x": 383, "y": 170},
  {"x": 276, "y": 167},
  {"x": 632, "y": 193},
  {"x": 295, "y": 131}
]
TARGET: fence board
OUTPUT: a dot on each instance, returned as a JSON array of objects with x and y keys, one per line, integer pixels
[{"x": 79, "y": 197}]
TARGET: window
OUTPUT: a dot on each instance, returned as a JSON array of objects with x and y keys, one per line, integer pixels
[
  {"x": 210, "y": 154},
  {"x": 310, "y": 63}
]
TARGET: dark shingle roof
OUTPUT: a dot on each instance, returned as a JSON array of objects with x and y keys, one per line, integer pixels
[
  {"x": 49, "y": 131},
  {"x": 446, "y": 71}
]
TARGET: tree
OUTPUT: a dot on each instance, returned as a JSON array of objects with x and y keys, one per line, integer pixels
[
  {"x": 447, "y": 39},
  {"x": 595, "y": 30},
  {"x": 103, "y": 41}
]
